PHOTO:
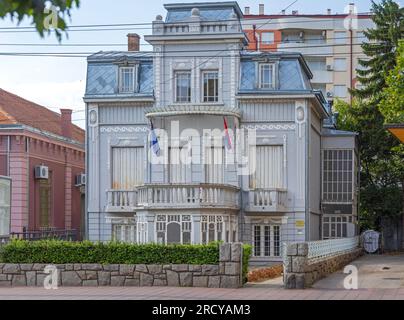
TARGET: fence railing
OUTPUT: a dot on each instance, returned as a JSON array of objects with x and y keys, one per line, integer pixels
[
  {"x": 59, "y": 234},
  {"x": 318, "y": 250}
]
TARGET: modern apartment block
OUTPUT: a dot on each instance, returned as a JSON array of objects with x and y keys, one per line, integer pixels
[
  {"x": 330, "y": 43},
  {"x": 293, "y": 174}
]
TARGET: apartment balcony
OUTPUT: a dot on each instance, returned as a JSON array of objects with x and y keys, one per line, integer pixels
[
  {"x": 307, "y": 48},
  {"x": 322, "y": 76},
  {"x": 121, "y": 200},
  {"x": 173, "y": 196},
  {"x": 267, "y": 200}
]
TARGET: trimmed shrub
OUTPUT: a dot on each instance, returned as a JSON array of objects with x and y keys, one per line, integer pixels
[
  {"x": 60, "y": 252},
  {"x": 247, "y": 251}
]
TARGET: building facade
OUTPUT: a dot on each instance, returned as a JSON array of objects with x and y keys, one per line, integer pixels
[
  {"x": 241, "y": 147},
  {"x": 330, "y": 43},
  {"x": 41, "y": 152}
]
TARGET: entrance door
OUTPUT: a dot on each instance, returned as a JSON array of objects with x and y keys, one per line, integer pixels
[{"x": 173, "y": 233}]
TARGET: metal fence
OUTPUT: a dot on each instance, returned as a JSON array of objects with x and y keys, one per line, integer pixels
[{"x": 57, "y": 234}]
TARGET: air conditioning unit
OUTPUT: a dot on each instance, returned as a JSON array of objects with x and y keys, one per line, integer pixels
[
  {"x": 41, "y": 172},
  {"x": 329, "y": 67},
  {"x": 329, "y": 94},
  {"x": 80, "y": 180}
]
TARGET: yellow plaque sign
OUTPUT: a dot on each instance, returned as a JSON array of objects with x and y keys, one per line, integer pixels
[{"x": 299, "y": 223}]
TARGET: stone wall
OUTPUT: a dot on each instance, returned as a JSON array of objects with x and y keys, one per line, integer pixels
[
  {"x": 300, "y": 273},
  {"x": 226, "y": 274}
]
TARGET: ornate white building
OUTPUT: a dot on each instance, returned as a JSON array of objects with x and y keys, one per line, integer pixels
[{"x": 288, "y": 175}]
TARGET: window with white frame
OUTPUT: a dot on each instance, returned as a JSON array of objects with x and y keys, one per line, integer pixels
[
  {"x": 218, "y": 228},
  {"x": 266, "y": 240},
  {"x": 127, "y": 79},
  {"x": 212, "y": 228},
  {"x": 183, "y": 86},
  {"x": 127, "y": 167},
  {"x": 267, "y": 38},
  {"x": 340, "y": 64},
  {"x": 268, "y": 167},
  {"x": 266, "y": 75},
  {"x": 173, "y": 228},
  {"x": 124, "y": 231},
  {"x": 338, "y": 176},
  {"x": 210, "y": 86},
  {"x": 337, "y": 226}
]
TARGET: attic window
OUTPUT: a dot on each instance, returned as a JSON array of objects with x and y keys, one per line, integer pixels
[
  {"x": 266, "y": 75},
  {"x": 127, "y": 79}
]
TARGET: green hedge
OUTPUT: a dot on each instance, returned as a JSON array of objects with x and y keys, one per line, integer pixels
[
  {"x": 60, "y": 252},
  {"x": 247, "y": 251}
]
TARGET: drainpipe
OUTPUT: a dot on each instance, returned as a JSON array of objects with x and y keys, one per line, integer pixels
[
  {"x": 351, "y": 62},
  {"x": 255, "y": 37},
  {"x": 8, "y": 154}
]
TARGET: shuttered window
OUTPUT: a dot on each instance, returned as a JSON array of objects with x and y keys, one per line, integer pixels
[
  {"x": 127, "y": 167},
  {"x": 268, "y": 167},
  {"x": 214, "y": 164},
  {"x": 179, "y": 171}
]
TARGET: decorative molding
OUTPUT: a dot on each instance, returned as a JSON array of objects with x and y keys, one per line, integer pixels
[
  {"x": 269, "y": 127},
  {"x": 123, "y": 129}
]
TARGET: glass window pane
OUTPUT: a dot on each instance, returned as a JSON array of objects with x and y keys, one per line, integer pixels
[{"x": 183, "y": 86}]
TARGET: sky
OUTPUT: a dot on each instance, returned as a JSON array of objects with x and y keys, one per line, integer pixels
[{"x": 57, "y": 82}]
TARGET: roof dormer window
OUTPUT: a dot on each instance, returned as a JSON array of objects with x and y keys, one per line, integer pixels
[
  {"x": 266, "y": 75},
  {"x": 127, "y": 79}
]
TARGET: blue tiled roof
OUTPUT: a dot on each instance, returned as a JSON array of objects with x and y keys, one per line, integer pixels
[
  {"x": 290, "y": 75},
  {"x": 102, "y": 72}
]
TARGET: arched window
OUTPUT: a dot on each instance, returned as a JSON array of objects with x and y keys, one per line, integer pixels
[{"x": 173, "y": 228}]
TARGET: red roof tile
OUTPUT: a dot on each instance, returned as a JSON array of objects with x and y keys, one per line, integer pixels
[{"x": 16, "y": 110}]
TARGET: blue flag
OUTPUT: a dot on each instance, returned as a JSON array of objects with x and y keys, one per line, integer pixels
[{"x": 154, "y": 143}]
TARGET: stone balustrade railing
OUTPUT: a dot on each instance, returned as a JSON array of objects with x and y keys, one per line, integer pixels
[
  {"x": 121, "y": 200},
  {"x": 267, "y": 200},
  {"x": 188, "y": 195}
]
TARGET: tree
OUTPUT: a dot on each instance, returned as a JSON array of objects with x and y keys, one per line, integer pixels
[
  {"x": 392, "y": 97},
  {"x": 36, "y": 10},
  {"x": 380, "y": 181},
  {"x": 388, "y": 18}
]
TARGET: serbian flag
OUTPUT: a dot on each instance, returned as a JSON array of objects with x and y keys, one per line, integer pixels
[
  {"x": 227, "y": 139},
  {"x": 154, "y": 143}
]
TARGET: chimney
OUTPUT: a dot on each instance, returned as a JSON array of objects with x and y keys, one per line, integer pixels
[
  {"x": 329, "y": 11},
  {"x": 247, "y": 10},
  {"x": 295, "y": 12},
  {"x": 133, "y": 42},
  {"x": 66, "y": 122},
  {"x": 261, "y": 9}
]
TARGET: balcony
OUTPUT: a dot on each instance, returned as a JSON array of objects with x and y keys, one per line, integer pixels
[
  {"x": 183, "y": 196},
  {"x": 321, "y": 76},
  {"x": 121, "y": 200},
  {"x": 173, "y": 196},
  {"x": 306, "y": 48},
  {"x": 267, "y": 200}
]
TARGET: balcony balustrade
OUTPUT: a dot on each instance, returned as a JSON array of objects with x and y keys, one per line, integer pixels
[
  {"x": 180, "y": 196},
  {"x": 267, "y": 200}
]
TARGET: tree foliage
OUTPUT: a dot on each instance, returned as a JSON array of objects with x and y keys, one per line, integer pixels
[
  {"x": 392, "y": 98},
  {"x": 380, "y": 50},
  {"x": 35, "y": 11}
]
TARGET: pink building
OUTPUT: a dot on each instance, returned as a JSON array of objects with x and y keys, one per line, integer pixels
[{"x": 43, "y": 154}]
